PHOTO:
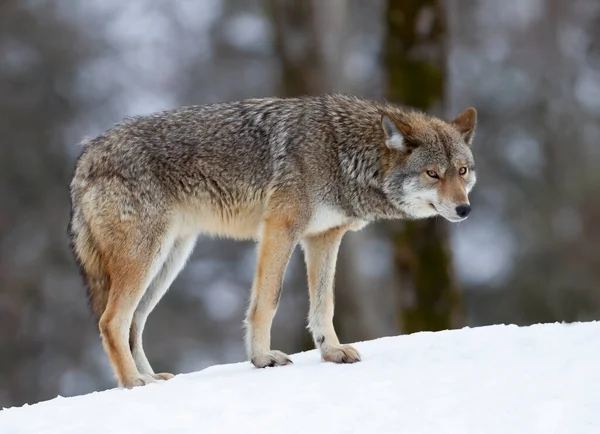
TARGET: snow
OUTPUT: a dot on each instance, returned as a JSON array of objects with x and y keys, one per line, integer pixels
[{"x": 496, "y": 379}]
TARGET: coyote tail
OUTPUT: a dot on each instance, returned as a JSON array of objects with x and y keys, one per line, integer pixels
[{"x": 92, "y": 264}]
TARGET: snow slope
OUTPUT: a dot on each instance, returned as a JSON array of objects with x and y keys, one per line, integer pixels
[{"x": 498, "y": 379}]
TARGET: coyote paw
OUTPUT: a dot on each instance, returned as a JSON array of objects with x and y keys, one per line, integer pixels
[
  {"x": 341, "y": 354},
  {"x": 163, "y": 376},
  {"x": 270, "y": 359},
  {"x": 139, "y": 380}
]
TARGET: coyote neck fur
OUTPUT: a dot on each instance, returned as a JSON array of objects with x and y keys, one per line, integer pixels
[{"x": 357, "y": 145}]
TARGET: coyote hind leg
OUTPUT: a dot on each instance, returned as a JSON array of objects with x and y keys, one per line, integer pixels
[
  {"x": 132, "y": 264},
  {"x": 176, "y": 259}
]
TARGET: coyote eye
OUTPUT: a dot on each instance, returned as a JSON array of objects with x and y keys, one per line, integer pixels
[
  {"x": 462, "y": 171},
  {"x": 433, "y": 174}
]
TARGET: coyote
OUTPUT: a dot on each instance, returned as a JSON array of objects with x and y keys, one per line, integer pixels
[{"x": 282, "y": 172}]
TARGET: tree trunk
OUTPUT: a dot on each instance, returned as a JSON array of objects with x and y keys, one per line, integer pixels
[
  {"x": 297, "y": 45},
  {"x": 415, "y": 66}
]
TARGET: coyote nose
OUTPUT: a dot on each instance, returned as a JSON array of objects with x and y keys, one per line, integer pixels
[{"x": 463, "y": 210}]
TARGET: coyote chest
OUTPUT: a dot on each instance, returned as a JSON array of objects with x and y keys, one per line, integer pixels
[{"x": 326, "y": 217}]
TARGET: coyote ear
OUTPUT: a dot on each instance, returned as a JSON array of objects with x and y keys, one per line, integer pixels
[
  {"x": 394, "y": 136},
  {"x": 465, "y": 124}
]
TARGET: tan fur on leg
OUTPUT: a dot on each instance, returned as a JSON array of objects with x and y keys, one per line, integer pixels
[
  {"x": 134, "y": 260},
  {"x": 274, "y": 252},
  {"x": 182, "y": 247},
  {"x": 320, "y": 252},
  {"x": 129, "y": 283}
]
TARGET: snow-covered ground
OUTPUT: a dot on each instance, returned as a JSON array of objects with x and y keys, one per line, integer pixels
[{"x": 498, "y": 379}]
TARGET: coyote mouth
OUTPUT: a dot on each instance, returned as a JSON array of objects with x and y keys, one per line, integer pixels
[{"x": 450, "y": 219}]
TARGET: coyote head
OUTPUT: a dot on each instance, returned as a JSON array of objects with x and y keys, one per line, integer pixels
[{"x": 430, "y": 168}]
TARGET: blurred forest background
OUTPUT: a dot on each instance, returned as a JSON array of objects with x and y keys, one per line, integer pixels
[{"x": 528, "y": 253}]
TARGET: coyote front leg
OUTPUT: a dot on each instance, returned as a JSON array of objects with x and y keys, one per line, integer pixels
[
  {"x": 320, "y": 253},
  {"x": 274, "y": 252}
]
